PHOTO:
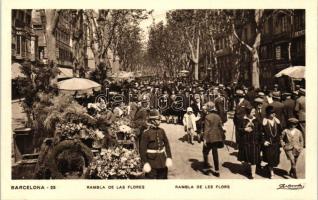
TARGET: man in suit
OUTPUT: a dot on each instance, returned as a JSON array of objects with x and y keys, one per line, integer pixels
[
  {"x": 279, "y": 109},
  {"x": 155, "y": 149},
  {"x": 289, "y": 106},
  {"x": 300, "y": 108},
  {"x": 220, "y": 105},
  {"x": 196, "y": 105},
  {"x": 259, "y": 109},
  {"x": 213, "y": 137},
  {"x": 140, "y": 120},
  {"x": 251, "y": 95},
  {"x": 203, "y": 97},
  {"x": 240, "y": 112}
]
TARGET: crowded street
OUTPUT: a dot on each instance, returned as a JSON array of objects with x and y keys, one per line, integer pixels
[
  {"x": 188, "y": 161},
  {"x": 117, "y": 94}
]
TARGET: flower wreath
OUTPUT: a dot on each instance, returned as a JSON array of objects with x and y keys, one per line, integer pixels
[{"x": 75, "y": 145}]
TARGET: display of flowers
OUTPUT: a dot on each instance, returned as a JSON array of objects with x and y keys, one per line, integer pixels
[
  {"x": 71, "y": 130},
  {"x": 123, "y": 126},
  {"x": 116, "y": 163}
]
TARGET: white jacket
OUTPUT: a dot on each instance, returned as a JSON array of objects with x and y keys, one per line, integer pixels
[{"x": 186, "y": 119}]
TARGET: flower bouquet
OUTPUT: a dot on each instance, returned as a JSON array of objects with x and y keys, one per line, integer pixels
[
  {"x": 121, "y": 129},
  {"x": 116, "y": 163}
]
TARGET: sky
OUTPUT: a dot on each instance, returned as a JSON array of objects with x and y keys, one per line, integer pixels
[{"x": 157, "y": 15}]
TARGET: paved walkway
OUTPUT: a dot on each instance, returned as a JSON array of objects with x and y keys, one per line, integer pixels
[{"x": 187, "y": 158}]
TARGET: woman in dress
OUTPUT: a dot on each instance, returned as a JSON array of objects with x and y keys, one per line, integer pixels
[
  {"x": 271, "y": 139},
  {"x": 249, "y": 148}
]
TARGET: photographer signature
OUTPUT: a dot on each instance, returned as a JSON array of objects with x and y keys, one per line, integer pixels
[{"x": 290, "y": 187}]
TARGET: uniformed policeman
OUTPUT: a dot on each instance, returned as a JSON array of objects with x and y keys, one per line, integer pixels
[{"x": 155, "y": 149}]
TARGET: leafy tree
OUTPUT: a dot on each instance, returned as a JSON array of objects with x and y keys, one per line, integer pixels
[
  {"x": 257, "y": 19},
  {"x": 107, "y": 32}
]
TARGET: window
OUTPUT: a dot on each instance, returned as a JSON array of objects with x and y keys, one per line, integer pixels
[
  {"x": 284, "y": 24},
  {"x": 278, "y": 53},
  {"x": 300, "y": 47},
  {"x": 18, "y": 50},
  {"x": 28, "y": 20},
  {"x": 22, "y": 46},
  {"x": 266, "y": 27},
  {"x": 13, "y": 15},
  {"x": 264, "y": 52},
  {"x": 299, "y": 21},
  {"x": 20, "y": 16}
]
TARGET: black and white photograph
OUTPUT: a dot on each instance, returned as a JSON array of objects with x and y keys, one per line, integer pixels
[{"x": 158, "y": 94}]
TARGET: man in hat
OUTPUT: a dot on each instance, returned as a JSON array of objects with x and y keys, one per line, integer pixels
[
  {"x": 300, "y": 108},
  {"x": 196, "y": 105},
  {"x": 268, "y": 99},
  {"x": 276, "y": 88},
  {"x": 221, "y": 106},
  {"x": 292, "y": 143},
  {"x": 259, "y": 109},
  {"x": 104, "y": 121},
  {"x": 203, "y": 97},
  {"x": 279, "y": 108},
  {"x": 155, "y": 149},
  {"x": 186, "y": 101},
  {"x": 289, "y": 105},
  {"x": 251, "y": 95},
  {"x": 240, "y": 112},
  {"x": 261, "y": 95},
  {"x": 297, "y": 88},
  {"x": 213, "y": 137},
  {"x": 132, "y": 107},
  {"x": 140, "y": 120}
]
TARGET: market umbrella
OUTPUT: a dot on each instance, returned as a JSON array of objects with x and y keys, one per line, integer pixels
[
  {"x": 76, "y": 84},
  {"x": 297, "y": 72}
]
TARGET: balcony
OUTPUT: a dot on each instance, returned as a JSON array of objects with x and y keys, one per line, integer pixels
[{"x": 298, "y": 33}]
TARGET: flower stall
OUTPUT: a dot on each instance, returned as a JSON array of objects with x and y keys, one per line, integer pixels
[{"x": 79, "y": 149}]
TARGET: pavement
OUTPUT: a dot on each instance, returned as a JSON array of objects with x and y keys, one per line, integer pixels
[
  {"x": 18, "y": 115},
  {"x": 188, "y": 160}
]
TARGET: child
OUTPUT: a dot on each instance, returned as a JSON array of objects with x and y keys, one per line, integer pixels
[
  {"x": 189, "y": 122},
  {"x": 292, "y": 142}
]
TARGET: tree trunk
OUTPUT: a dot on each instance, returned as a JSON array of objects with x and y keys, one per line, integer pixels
[
  {"x": 255, "y": 68},
  {"x": 51, "y": 17},
  {"x": 196, "y": 60}
]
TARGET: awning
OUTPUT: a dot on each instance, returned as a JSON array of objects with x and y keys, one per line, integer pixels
[
  {"x": 16, "y": 71},
  {"x": 65, "y": 73}
]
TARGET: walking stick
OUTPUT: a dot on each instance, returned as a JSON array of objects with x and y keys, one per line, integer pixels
[
  {"x": 227, "y": 147},
  {"x": 233, "y": 132}
]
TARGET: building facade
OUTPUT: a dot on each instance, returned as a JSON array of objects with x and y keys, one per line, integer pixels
[
  {"x": 23, "y": 39},
  {"x": 62, "y": 35},
  {"x": 282, "y": 45}
]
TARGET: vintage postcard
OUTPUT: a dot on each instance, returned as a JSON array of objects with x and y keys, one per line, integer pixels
[{"x": 158, "y": 100}]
